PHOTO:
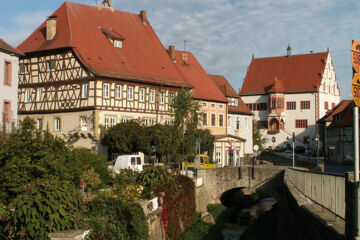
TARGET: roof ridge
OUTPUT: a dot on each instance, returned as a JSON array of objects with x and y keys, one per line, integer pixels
[{"x": 292, "y": 55}]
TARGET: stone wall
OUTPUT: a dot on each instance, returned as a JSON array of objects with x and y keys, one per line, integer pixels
[{"x": 216, "y": 181}]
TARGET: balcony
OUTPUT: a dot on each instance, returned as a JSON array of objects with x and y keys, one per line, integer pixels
[{"x": 273, "y": 132}]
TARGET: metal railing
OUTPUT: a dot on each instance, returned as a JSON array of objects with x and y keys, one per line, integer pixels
[{"x": 327, "y": 190}]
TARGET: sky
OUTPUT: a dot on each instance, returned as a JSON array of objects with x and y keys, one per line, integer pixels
[{"x": 224, "y": 34}]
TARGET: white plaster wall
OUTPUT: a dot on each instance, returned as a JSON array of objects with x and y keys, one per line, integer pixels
[
  {"x": 258, "y": 115},
  {"x": 9, "y": 93},
  {"x": 244, "y": 131}
]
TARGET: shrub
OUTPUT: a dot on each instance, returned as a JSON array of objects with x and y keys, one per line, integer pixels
[
  {"x": 186, "y": 199},
  {"x": 46, "y": 206},
  {"x": 111, "y": 218}
]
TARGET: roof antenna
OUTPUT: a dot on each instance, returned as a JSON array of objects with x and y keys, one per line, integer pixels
[{"x": 185, "y": 41}]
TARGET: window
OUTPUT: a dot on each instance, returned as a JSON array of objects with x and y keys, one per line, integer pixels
[
  {"x": 57, "y": 124},
  {"x": 7, "y": 111},
  {"x": 83, "y": 124},
  {"x": 7, "y": 73},
  {"x": 171, "y": 97},
  {"x": 130, "y": 93},
  {"x": 238, "y": 123},
  {"x": 204, "y": 119},
  {"x": 301, "y": 123},
  {"x": 305, "y": 105},
  {"x": 27, "y": 95},
  {"x": 169, "y": 122},
  {"x": 112, "y": 121},
  {"x": 39, "y": 94},
  {"x": 118, "y": 91},
  {"x": 348, "y": 131},
  {"x": 84, "y": 91},
  {"x": 107, "y": 121},
  {"x": 213, "y": 105},
  {"x": 39, "y": 123},
  {"x": 229, "y": 121},
  {"x": 22, "y": 67},
  {"x": 324, "y": 87},
  {"x": 221, "y": 120},
  {"x": 118, "y": 44},
  {"x": 218, "y": 155},
  {"x": 213, "y": 119},
  {"x": 332, "y": 105},
  {"x": 279, "y": 103},
  {"x": 204, "y": 105},
  {"x": 142, "y": 94},
  {"x": 51, "y": 64},
  {"x": 326, "y": 105},
  {"x": 152, "y": 95},
  {"x": 162, "y": 97},
  {"x": 221, "y": 106},
  {"x": 290, "y": 105},
  {"x": 106, "y": 88}
]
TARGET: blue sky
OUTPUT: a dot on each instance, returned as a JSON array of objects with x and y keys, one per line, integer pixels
[{"x": 223, "y": 34}]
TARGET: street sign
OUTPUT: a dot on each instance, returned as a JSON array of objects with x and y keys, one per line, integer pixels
[
  {"x": 356, "y": 89},
  {"x": 355, "y": 55}
]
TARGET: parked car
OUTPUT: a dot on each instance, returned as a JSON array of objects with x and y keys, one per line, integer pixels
[
  {"x": 134, "y": 162},
  {"x": 349, "y": 158}
]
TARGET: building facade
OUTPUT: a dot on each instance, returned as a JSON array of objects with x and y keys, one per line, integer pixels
[
  {"x": 9, "y": 66},
  {"x": 336, "y": 130},
  {"x": 240, "y": 119},
  {"x": 288, "y": 94},
  {"x": 85, "y": 69}
]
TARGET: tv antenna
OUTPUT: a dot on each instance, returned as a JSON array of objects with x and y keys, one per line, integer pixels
[{"x": 185, "y": 42}]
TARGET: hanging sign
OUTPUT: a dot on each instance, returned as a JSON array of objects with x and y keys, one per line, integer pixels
[
  {"x": 356, "y": 89},
  {"x": 355, "y": 55}
]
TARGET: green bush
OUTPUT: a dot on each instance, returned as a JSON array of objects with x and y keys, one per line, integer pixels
[
  {"x": 46, "y": 206},
  {"x": 186, "y": 199},
  {"x": 111, "y": 218}
]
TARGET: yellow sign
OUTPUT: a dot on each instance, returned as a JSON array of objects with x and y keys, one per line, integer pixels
[
  {"x": 356, "y": 89},
  {"x": 355, "y": 55}
]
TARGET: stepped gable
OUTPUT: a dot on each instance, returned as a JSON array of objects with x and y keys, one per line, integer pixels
[
  {"x": 194, "y": 74},
  {"x": 87, "y": 31},
  {"x": 225, "y": 87},
  {"x": 298, "y": 73}
]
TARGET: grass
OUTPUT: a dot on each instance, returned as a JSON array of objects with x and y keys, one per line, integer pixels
[{"x": 201, "y": 230}]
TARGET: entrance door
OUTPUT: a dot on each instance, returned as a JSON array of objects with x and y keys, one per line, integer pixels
[{"x": 231, "y": 158}]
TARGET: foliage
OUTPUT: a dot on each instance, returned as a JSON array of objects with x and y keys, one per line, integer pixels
[
  {"x": 90, "y": 179},
  {"x": 30, "y": 154},
  {"x": 111, "y": 218},
  {"x": 158, "y": 136},
  {"x": 186, "y": 199},
  {"x": 124, "y": 138},
  {"x": 207, "y": 141},
  {"x": 185, "y": 124},
  {"x": 46, "y": 206},
  {"x": 258, "y": 138}
]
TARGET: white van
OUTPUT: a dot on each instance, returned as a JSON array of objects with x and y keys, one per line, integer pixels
[{"x": 134, "y": 162}]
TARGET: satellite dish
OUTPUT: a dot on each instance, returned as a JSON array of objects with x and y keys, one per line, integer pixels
[{"x": 108, "y": 2}]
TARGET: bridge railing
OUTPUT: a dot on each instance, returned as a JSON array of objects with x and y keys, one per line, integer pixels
[{"x": 327, "y": 190}]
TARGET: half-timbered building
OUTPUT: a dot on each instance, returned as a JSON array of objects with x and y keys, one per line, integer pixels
[
  {"x": 9, "y": 62},
  {"x": 84, "y": 68}
]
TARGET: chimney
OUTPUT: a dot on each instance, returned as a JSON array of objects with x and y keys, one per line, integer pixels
[
  {"x": 51, "y": 28},
  {"x": 171, "y": 52},
  {"x": 288, "y": 50},
  {"x": 143, "y": 16}
]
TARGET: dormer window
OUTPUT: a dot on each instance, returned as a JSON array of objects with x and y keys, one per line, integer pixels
[{"x": 114, "y": 37}]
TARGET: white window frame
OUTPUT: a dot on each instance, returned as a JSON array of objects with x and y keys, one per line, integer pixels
[
  {"x": 213, "y": 105},
  {"x": 171, "y": 97},
  {"x": 57, "y": 124},
  {"x": 107, "y": 121},
  {"x": 218, "y": 153},
  {"x": 142, "y": 94},
  {"x": 221, "y": 106},
  {"x": 106, "y": 90},
  {"x": 162, "y": 97},
  {"x": 152, "y": 95},
  {"x": 39, "y": 123},
  {"x": 85, "y": 91},
  {"x": 118, "y": 43},
  {"x": 83, "y": 123},
  {"x": 39, "y": 94},
  {"x": 118, "y": 91},
  {"x": 112, "y": 121},
  {"x": 27, "y": 95},
  {"x": 130, "y": 91}
]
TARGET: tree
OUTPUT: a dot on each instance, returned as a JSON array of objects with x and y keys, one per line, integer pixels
[
  {"x": 157, "y": 137},
  {"x": 207, "y": 140},
  {"x": 258, "y": 138},
  {"x": 185, "y": 124}
]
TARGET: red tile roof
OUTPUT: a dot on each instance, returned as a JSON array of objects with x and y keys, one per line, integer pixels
[
  {"x": 193, "y": 72},
  {"x": 299, "y": 73},
  {"x": 4, "y": 46},
  {"x": 225, "y": 87},
  {"x": 142, "y": 58},
  {"x": 340, "y": 107}
]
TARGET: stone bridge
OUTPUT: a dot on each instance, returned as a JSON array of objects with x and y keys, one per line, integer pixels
[{"x": 212, "y": 183}]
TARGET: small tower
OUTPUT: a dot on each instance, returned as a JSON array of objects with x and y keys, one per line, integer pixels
[{"x": 288, "y": 51}]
